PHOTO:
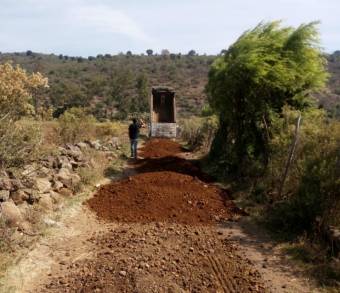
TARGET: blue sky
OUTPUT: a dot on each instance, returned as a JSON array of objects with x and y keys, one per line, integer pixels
[{"x": 90, "y": 27}]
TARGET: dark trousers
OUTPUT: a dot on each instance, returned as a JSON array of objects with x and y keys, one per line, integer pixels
[{"x": 134, "y": 148}]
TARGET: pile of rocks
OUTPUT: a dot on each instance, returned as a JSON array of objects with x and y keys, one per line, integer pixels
[{"x": 46, "y": 182}]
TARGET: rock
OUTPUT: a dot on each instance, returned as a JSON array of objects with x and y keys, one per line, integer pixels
[
  {"x": 11, "y": 214},
  {"x": 82, "y": 145},
  {"x": 46, "y": 202},
  {"x": 95, "y": 144},
  {"x": 29, "y": 182},
  {"x": 122, "y": 273},
  {"x": 32, "y": 195},
  {"x": 75, "y": 164},
  {"x": 4, "y": 195},
  {"x": 64, "y": 163},
  {"x": 24, "y": 209},
  {"x": 29, "y": 171},
  {"x": 43, "y": 185},
  {"x": 57, "y": 185},
  {"x": 74, "y": 152},
  {"x": 49, "y": 162},
  {"x": 19, "y": 196},
  {"x": 67, "y": 178},
  {"x": 56, "y": 198},
  {"x": 5, "y": 183},
  {"x": 65, "y": 192},
  {"x": 115, "y": 142},
  {"x": 16, "y": 184},
  {"x": 45, "y": 172}
]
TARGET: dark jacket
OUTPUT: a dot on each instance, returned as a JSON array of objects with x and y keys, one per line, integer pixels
[{"x": 133, "y": 131}]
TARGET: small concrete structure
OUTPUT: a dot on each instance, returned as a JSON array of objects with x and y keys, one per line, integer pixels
[{"x": 163, "y": 112}]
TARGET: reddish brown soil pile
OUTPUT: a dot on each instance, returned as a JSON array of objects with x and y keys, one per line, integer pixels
[
  {"x": 160, "y": 147},
  {"x": 161, "y": 196},
  {"x": 164, "y": 155},
  {"x": 170, "y": 190}
]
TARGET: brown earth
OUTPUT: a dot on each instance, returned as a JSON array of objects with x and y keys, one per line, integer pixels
[
  {"x": 85, "y": 252},
  {"x": 161, "y": 195},
  {"x": 160, "y": 147},
  {"x": 159, "y": 258},
  {"x": 163, "y": 236}
]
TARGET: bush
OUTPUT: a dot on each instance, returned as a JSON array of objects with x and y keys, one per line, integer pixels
[
  {"x": 312, "y": 187},
  {"x": 107, "y": 129},
  {"x": 75, "y": 125},
  {"x": 199, "y": 131},
  {"x": 20, "y": 142}
]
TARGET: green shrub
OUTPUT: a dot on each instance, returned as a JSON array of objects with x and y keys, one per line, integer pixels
[
  {"x": 312, "y": 187},
  {"x": 199, "y": 131},
  {"x": 107, "y": 129},
  {"x": 75, "y": 125},
  {"x": 20, "y": 142}
]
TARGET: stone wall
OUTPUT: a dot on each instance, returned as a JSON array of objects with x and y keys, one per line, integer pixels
[{"x": 47, "y": 182}]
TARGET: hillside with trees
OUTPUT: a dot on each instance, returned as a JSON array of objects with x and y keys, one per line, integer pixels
[{"x": 113, "y": 86}]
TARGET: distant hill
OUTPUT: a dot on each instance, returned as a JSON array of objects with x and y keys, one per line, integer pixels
[
  {"x": 331, "y": 99},
  {"x": 114, "y": 85}
]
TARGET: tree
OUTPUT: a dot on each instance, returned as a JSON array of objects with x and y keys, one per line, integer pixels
[
  {"x": 265, "y": 69},
  {"x": 128, "y": 53},
  {"x": 149, "y": 52},
  {"x": 16, "y": 89},
  {"x": 192, "y": 53},
  {"x": 143, "y": 93},
  {"x": 29, "y": 53},
  {"x": 165, "y": 52},
  {"x": 19, "y": 141}
]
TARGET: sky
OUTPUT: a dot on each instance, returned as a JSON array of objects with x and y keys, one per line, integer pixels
[{"x": 91, "y": 27}]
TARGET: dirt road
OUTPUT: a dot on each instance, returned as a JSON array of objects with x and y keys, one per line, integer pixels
[{"x": 164, "y": 228}]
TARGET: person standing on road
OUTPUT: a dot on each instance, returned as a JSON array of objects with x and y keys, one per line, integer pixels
[{"x": 133, "y": 134}]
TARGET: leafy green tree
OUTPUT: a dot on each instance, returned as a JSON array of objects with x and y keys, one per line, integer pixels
[
  {"x": 121, "y": 83},
  {"x": 265, "y": 69},
  {"x": 192, "y": 53},
  {"x": 149, "y": 52},
  {"x": 143, "y": 93}
]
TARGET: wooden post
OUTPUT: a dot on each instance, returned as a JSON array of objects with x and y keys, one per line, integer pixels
[{"x": 291, "y": 154}]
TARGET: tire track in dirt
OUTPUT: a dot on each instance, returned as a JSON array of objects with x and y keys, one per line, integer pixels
[{"x": 219, "y": 275}]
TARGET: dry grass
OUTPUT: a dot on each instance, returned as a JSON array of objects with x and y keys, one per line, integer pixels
[{"x": 316, "y": 263}]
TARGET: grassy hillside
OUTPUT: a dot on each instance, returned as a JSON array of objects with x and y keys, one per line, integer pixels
[
  {"x": 116, "y": 85},
  {"x": 113, "y": 86}
]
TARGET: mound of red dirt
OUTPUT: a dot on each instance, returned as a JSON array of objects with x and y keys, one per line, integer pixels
[
  {"x": 160, "y": 147},
  {"x": 162, "y": 196},
  {"x": 165, "y": 155}
]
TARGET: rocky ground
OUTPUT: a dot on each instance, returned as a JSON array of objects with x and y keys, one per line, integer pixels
[{"x": 45, "y": 183}]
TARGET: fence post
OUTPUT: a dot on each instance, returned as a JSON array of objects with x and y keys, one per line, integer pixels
[{"x": 291, "y": 154}]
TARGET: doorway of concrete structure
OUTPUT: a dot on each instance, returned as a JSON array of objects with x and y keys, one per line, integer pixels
[{"x": 163, "y": 105}]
